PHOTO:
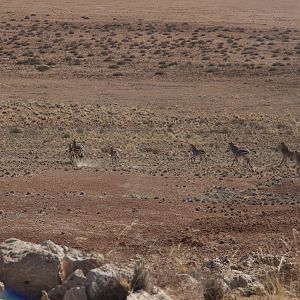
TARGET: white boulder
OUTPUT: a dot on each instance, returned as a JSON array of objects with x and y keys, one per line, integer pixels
[
  {"x": 104, "y": 284},
  {"x": 28, "y": 268}
]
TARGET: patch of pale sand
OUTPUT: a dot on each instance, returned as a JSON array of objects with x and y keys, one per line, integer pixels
[{"x": 88, "y": 163}]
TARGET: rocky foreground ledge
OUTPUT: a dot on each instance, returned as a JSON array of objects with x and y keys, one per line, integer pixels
[{"x": 51, "y": 272}]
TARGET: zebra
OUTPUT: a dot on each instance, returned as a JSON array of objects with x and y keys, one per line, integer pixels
[
  {"x": 239, "y": 153},
  {"x": 286, "y": 153},
  {"x": 114, "y": 154},
  {"x": 296, "y": 158},
  {"x": 75, "y": 152},
  {"x": 196, "y": 153}
]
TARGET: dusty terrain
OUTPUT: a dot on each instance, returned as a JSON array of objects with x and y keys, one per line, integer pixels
[{"x": 150, "y": 78}]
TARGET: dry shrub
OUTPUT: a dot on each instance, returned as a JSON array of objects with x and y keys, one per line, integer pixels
[
  {"x": 213, "y": 289},
  {"x": 151, "y": 150},
  {"x": 285, "y": 282},
  {"x": 275, "y": 286},
  {"x": 15, "y": 130},
  {"x": 141, "y": 278},
  {"x": 43, "y": 68},
  {"x": 66, "y": 135}
]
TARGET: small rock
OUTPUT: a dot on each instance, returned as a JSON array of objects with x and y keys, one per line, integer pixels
[
  {"x": 142, "y": 295},
  {"x": 76, "y": 279},
  {"x": 247, "y": 284},
  {"x": 76, "y": 293},
  {"x": 75, "y": 259},
  {"x": 44, "y": 296},
  {"x": 101, "y": 284}
]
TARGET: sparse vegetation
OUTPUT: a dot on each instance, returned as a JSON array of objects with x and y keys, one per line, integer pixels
[
  {"x": 141, "y": 278},
  {"x": 213, "y": 289},
  {"x": 148, "y": 88}
]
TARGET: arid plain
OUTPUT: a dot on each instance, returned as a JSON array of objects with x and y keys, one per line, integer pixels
[{"x": 150, "y": 78}]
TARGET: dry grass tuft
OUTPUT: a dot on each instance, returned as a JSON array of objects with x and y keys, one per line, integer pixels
[
  {"x": 141, "y": 278},
  {"x": 213, "y": 289}
]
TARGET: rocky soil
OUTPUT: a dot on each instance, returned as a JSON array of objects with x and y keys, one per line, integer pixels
[
  {"x": 50, "y": 272},
  {"x": 149, "y": 79},
  {"x": 144, "y": 48}
]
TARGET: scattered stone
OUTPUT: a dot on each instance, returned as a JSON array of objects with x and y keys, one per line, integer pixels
[
  {"x": 247, "y": 284},
  {"x": 75, "y": 259},
  {"x": 158, "y": 294}
]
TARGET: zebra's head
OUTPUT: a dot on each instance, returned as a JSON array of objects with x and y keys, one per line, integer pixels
[
  {"x": 230, "y": 146},
  {"x": 192, "y": 147},
  {"x": 281, "y": 147}
]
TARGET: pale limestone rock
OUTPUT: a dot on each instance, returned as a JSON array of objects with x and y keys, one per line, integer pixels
[
  {"x": 159, "y": 294},
  {"x": 75, "y": 259},
  {"x": 28, "y": 268},
  {"x": 247, "y": 284},
  {"x": 2, "y": 287},
  {"x": 44, "y": 296},
  {"x": 76, "y": 279},
  {"x": 31, "y": 268},
  {"x": 142, "y": 295},
  {"x": 104, "y": 284}
]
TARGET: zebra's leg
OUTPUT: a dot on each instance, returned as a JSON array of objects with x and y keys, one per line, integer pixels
[
  {"x": 235, "y": 160},
  {"x": 248, "y": 162},
  {"x": 282, "y": 161},
  {"x": 285, "y": 162},
  {"x": 70, "y": 157},
  {"x": 73, "y": 158}
]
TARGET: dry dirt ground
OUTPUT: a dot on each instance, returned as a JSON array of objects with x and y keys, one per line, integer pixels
[{"x": 150, "y": 78}]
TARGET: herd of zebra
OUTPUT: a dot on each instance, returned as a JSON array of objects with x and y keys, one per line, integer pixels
[
  {"x": 76, "y": 154},
  {"x": 244, "y": 154}
]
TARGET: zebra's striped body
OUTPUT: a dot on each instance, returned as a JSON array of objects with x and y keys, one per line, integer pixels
[
  {"x": 296, "y": 158},
  {"x": 239, "y": 153},
  {"x": 75, "y": 152},
  {"x": 196, "y": 153},
  {"x": 286, "y": 153},
  {"x": 114, "y": 154}
]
